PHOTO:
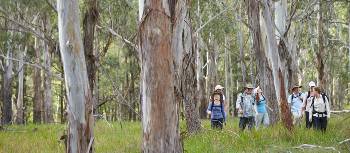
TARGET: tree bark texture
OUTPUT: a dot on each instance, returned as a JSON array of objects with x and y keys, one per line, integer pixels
[{"x": 80, "y": 115}]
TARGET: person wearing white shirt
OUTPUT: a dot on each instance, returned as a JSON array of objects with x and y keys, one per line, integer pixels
[
  {"x": 307, "y": 103},
  {"x": 320, "y": 110}
]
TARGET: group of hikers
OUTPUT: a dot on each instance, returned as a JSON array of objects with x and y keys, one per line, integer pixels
[{"x": 251, "y": 106}]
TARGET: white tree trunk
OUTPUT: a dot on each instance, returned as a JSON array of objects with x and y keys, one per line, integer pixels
[
  {"x": 227, "y": 77},
  {"x": 6, "y": 90},
  {"x": 80, "y": 119},
  {"x": 241, "y": 50},
  {"x": 48, "y": 116},
  {"x": 20, "y": 108},
  {"x": 277, "y": 68},
  {"x": 272, "y": 51}
]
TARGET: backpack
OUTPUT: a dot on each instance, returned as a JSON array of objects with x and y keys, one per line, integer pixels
[
  {"x": 308, "y": 95},
  {"x": 324, "y": 97},
  {"x": 221, "y": 104}
]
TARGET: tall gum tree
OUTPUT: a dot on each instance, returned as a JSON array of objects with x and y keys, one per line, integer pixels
[{"x": 80, "y": 119}]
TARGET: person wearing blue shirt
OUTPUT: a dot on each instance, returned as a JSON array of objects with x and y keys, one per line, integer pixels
[
  {"x": 262, "y": 117},
  {"x": 295, "y": 102},
  {"x": 216, "y": 110}
]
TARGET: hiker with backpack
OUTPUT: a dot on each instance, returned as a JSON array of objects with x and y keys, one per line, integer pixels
[
  {"x": 307, "y": 103},
  {"x": 295, "y": 102},
  {"x": 320, "y": 110},
  {"x": 246, "y": 109},
  {"x": 216, "y": 110},
  {"x": 262, "y": 117}
]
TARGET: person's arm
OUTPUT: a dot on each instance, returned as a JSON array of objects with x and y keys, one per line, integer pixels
[
  {"x": 328, "y": 109},
  {"x": 304, "y": 103},
  {"x": 209, "y": 108},
  {"x": 289, "y": 99},
  {"x": 310, "y": 112},
  {"x": 238, "y": 103}
]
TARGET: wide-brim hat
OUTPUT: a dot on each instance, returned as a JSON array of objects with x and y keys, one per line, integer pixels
[
  {"x": 249, "y": 86},
  {"x": 295, "y": 86},
  {"x": 217, "y": 87}
]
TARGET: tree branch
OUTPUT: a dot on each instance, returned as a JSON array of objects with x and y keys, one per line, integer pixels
[
  {"x": 51, "y": 5},
  {"x": 211, "y": 19},
  {"x": 57, "y": 76}
]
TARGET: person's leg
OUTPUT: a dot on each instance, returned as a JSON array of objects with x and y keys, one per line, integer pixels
[
  {"x": 307, "y": 121},
  {"x": 266, "y": 120},
  {"x": 221, "y": 123},
  {"x": 324, "y": 124},
  {"x": 317, "y": 123},
  {"x": 215, "y": 124},
  {"x": 241, "y": 123},
  {"x": 294, "y": 118},
  {"x": 314, "y": 122},
  {"x": 250, "y": 122},
  {"x": 259, "y": 119}
]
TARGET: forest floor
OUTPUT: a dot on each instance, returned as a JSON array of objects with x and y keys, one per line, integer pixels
[{"x": 125, "y": 137}]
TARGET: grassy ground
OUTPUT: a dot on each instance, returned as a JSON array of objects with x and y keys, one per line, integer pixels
[{"x": 126, "y": 137}]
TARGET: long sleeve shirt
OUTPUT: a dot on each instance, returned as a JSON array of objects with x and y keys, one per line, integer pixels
[{"x": 246, "y": 103}]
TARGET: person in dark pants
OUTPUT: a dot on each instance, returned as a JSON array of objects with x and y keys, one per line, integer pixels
[
  {"x": 307, "y": 103},
  {"x": 320, "y": 110},
  {"x": 246, "y": 109},
  {"x": 216, "y": 110}
]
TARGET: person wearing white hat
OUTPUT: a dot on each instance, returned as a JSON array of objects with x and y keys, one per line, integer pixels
[
  {"x": 219, "y": 88},
  {"x": 307, "y": 103},
  {"x": 295, "y": 101}
]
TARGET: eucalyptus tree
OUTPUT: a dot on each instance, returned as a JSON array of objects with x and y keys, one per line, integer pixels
[{"x": 80, "y": 109}]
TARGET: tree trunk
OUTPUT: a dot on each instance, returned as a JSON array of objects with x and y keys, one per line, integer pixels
[
  {"x": 201, "y": 90},
  {"x": 48, "y": 114},
  {"x": 288, "y": 53},
  {"x": 277, "y": 69},
  {"x": 7, "y": 85},
  {"x": 37, "y": 101},
  {"x": 264, "y": 70},
  {"x": 212, "y": 65},
  {"x": 80, "y": 117},
  {"x": 20, "y": 96},
  {"x": 227, "y": 77},
  {"x": 320, "y": 55},
  {"x": 89, "y": 23},
  {"x": 241, "y": 49},
  {"x": 160, "y": 118},
  {"x": 188, "y": 67}
]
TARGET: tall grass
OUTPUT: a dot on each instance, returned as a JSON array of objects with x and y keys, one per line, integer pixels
[{"x": 125, "y": 137}]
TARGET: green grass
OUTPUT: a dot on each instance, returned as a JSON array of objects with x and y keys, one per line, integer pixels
[{"x": 126, "y": 137}]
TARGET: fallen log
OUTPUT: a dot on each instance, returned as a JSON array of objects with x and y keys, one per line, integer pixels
[{"x": 340, "y": 111}]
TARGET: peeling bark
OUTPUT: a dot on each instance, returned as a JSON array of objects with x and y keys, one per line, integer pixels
[
  {"x": 20, "y": 96},
  {"x": 80, "y": 117},
  {"x": 160, "y": 118},
  {"x": 7, "y": 86},
  {"x": 89, "y": 23},
  {"x": 264, "y": 69}
]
